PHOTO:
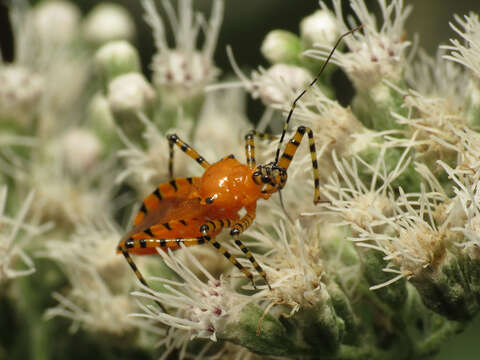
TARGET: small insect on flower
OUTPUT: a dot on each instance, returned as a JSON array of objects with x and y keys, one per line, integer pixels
[{"x": 194, "y": 210}]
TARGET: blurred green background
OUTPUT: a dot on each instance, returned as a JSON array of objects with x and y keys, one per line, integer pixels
[{"x": 245, "y": 25}]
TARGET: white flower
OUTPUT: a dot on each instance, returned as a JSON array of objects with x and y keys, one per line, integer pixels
[
  {"x": 100, "y": 279},
  {"x": 222, "y": 126},
  {"x": 56, "y": 21},
  {"x": 436, "y": 77},
  {"x": 182, "y": 72},
  {"x": 363, "y": 206},
  {"x": 293, "y": 263},
  {"x": 14, "y": 261},
  {"x": 20, "y": 94},
  {"x": 433, "y": 122},
  {"x": 107, "y": 22},
  {"x": 375, "y": 53},
  {"x": 60, "y": 195},
  {"x": 81, "y": 150},
  {"x": 130, "y": 93},
  {"x": 63, "y": 71},
  {"x": 197, "y": 309},
  {"x": 319, "y": 28},
  {"x": 467, "y": 54},
  {"x": 275, "y": 86},
  {"x": 149, "y": 167},
  {"x": 414, "y": 241}
]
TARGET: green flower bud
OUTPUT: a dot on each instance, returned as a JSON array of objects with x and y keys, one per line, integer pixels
[
  {"x": 108, "y": 22},
  {"x": 394, "y": 294},
  {"x": 445, "y": 289},
  {"x": 128, "y": 95},
  {"x": 116, "y": 58},
  {"x": 320, "y": 326},
  {"x": 261, "y": 334},
  {"x": 281, "y": 46},
  {"x": 100, "y": 120}
]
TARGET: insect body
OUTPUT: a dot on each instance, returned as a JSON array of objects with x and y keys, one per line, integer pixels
[{"x": 193, "y": 211}]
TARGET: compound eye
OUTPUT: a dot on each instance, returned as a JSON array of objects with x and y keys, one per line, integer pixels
[
  {"x": 209, "y": 200},
  {"x": 265, "y": 179}
]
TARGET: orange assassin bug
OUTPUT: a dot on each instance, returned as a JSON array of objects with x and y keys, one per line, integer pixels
[{"x": 194, "y": 210}]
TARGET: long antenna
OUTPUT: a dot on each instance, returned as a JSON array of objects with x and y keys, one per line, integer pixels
[{"x": 285, "y": 127}]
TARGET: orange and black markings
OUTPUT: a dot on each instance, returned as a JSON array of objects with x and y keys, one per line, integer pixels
[{"x": 194, "y": 210}]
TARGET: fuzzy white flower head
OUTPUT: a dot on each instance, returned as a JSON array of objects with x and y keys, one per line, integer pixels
[
  {"x": 414, "y": 241},
  {"x": 432, "y": 121},
  {"x": 222, "y": 125},
  {"x": 20, "y": 93},
  {"x": 56, "y": 21},
  {"x": 99, "y": 278},
  {"x": 330, "y": 122},
  {"x": 130, "y": 93},
  {"x": 197, "y": 309},
  {"x": 183, "y": 72},
  {"x": 375, "y": 52},
  {"x": 60, "y": 195},
  {"x": 467, "y": 54},
  {"x": 363, "y": 206},
  {"x": 108, "y": 22},
  {"x": 319, "y": 28},
  {"x": 437, "y": 77},
  {"x": 14, "y": 261},
  {"x": 81, "y": 150},
  {"x": 149, "y": 167},
  {"x": 293, "y": 263},
  {"x": 275, "y": 86}
]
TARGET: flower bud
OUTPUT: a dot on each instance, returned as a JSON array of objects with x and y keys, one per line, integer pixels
[
  {"x": 20, "y": 94},
  {"x": 259, "y": 333},
  {"x": 116, "y": 58},
  {"x": 319, "y": 28},
  {"x": 108, "y": 22},
  {"x": 281, "y": 46},
  {"x": 81, "y": 150},
  {"x": 100, "y": 118},
  {"x": 279, "y": 83},
  {"x": 129, "y": 93},
  {"x": 395, "y": 294},
  {"x": 446, "y": 290},
  {"x": 56, "y": 21}
]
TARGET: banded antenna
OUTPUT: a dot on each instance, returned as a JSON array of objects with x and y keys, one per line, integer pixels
[{"x": 304, "y": 91}]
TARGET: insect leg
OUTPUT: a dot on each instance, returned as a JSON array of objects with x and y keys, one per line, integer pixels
[
  {"x": 136, "y": 245},
  {"x": 173, "y": 139},
  {"x": 239, "y": 228},
  {"x": 139, "y": 274},
  {"x": 250, "y": 146},
  {"x": 289, "y": 153},
  {"x": 214, "y": 225}
]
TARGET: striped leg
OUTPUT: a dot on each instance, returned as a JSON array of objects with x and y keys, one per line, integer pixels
[
  {"x": 215, "y": 225},
  {"x": 289, "y": 153},
  {"x": 173, "y": 139},
  {"x": 137, "y": 245},
  {"x": 139, "y": 274},
  {"x": 239, "y": 228},
  {"x": 250, "y": 146}
]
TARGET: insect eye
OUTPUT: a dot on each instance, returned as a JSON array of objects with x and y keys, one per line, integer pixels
[
  {"x": 209, "y": 200},
  {"x": 265, "y": 179}
]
